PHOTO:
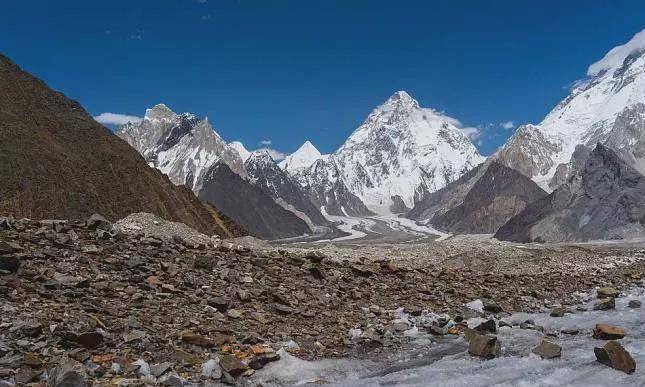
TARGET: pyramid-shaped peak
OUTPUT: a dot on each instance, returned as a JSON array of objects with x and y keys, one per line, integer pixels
[
  {"x": 159, "y": 112},
  {"x": 401, "y": 99},
  {"x": 308, "y": 148}
]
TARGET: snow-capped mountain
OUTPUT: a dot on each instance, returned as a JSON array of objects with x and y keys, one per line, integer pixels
[
  {"x": 608, "y": 107},
  {"x": 306, "y": 155},
  {"x": 399, "y": 154},
  {"x": 241, "y": 149},
  {"x": 182, "y": 146},
  {"x": 265, "y": 174}
]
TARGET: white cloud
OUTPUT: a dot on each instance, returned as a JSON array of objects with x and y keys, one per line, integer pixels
[
  {"x": 116, "y": 119},
  {"x": 508, "y": 125},
  {"x": 471, "y": 132},
  {"x": 275, "y": 154},
  {"x": 265, "y": 142}
]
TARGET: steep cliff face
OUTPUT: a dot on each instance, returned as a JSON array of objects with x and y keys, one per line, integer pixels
[
  {"x": 182, "y": 146},
  {"x": 57, "y": 162},
  {"x": 479, "y": 202},
  {"x": 604, "y": 200},
  {"x": 265, "y": 174},
  {"x": 249, "y": 206}
]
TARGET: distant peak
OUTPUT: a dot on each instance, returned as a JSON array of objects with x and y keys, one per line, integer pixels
[
  {"x": 159, "y": 111},
  {"x": 308, "y": 148},
  {"x": 401, "y": 99}
]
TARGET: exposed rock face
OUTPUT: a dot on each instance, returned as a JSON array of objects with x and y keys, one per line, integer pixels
[
  {"x": 480, "y": 201},
  {"x": 57, "y": 162},
  {"x": 606, "y": 200},
  {"x": 182, "y": 146},
  {"x": 324, "y": 186},
  {"x": 607, "y": 108},
  {"x": 265, "y": 174},
  {"x": 249, "y": 205}
]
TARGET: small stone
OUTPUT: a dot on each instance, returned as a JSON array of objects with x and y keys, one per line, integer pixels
[
  {"x": 198, "y": 340},
  {"x": 503, "y": 323},
  {"x": 484, "y": 346},
  {"x": 283, "y": 309},
  {"x": 615, "y": 356},
  {"x": 548, "y": 350},
  {"x": 64, "y": 375},
  {"x": 491, "y": 306},
  {"x": 605, "y": 304},
  {"x": 171, "y": 379},
  {"x": 220, "y": 303},
  {"x": 558, "y": 312},
  {"x": 634, "y": 304},
  {"x": 608, "y": 332},
  {"x": 259, "y": 362},
  {"x": 26, "y": 375},
  {"x": 90, "y": 340},
  {"x": 487, "y": 326},
  {"x": 607, "y": 292},
  {"x": 159, "y": 369},
  {"x": 98, "y": 222},
  {"x": 9, "y": 264},
  {"x": 232, "y": 365},
  {"x": 572, "y": 331},
  {"x": 211, "y": 369},
  {"x": 234, "y": 313}
]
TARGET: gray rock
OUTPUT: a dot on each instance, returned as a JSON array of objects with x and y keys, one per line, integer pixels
[
  {"x": 65, "y": 375},
  {"x": 547, "y": 350},
  {"x": 484, "y": 346},
  {"x": 634, "y": 304}
]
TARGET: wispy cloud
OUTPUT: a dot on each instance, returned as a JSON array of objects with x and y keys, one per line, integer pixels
[
  {"x": 265, "y": 142},
  {"x": 507, "y": 125},
  {"x": 275, "y": 154},
  {"x": 472, "y": 132},
  {"x": 116, "y": 118}
]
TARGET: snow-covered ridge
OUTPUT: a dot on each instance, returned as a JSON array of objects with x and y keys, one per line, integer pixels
[
  {"x": 603, "y": 108},
  {"x": 400, "y": 153},
  {"x": 241, "y": 149},
  {"x": 181, "y": 146}
]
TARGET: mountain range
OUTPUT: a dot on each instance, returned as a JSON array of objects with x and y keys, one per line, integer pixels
[{"x": 575, "y": 176}]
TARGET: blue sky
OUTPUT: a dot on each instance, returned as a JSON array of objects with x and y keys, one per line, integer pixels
[{"x": 287, "y": 71}]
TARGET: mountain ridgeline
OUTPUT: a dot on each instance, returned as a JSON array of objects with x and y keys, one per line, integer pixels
[{"x": 57, "y": 162}]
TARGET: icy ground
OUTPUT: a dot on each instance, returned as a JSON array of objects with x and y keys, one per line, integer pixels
[
  {"x": 446, "y": 363},
  {"x": 381, "y": 227}
]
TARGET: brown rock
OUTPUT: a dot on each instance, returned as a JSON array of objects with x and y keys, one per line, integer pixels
[
  {"x": 548, "y": 350},
  {"x": 607, "y": 292},
  {"x": 90, "y": 340},
  {"x": 615, "y": 356},
  {"x": 232, "y": 365},
  {"x": 608, "y": 332},
  {"x": 198, "y": 340}
]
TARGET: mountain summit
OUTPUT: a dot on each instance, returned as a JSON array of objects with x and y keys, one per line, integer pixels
[{"x": 402, "y": 152}]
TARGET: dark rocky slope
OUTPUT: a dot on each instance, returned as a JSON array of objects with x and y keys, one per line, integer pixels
[
  {"x": 604, "y": 200},
  {"x": 248, "y": 205},
  {"x": 57, "y": 162},
  {"x": 479, "y": 202},
  {"x": 272, "y": 180}
]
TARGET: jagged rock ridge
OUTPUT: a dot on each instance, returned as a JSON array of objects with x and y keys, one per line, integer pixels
[
  {"x": 604, "y": 200},
  {"x": 480, "y": 201}
]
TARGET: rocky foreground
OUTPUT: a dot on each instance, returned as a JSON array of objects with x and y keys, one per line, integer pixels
[{"x": 90, "y": 302}]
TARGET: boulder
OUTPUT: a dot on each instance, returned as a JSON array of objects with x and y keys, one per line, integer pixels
[
  {"x": 484, "y": 346},
  {"x": 634, "y": 304},
  {"x": 491, "y": 306},
  {"x": 548, "y": 350},
  {"x": 487, "y": 326},
  {"x": 607, "y": 292},
  {"x": 615, "y": 356},
  {"x": 608, "y": 332},
  {"x": 98, "y": 222},
  {"x": 558, "y": 312},
  {"x": 232, "y": 365},
  {"x": 64, "y": 375},
  {"x": 605, "y": 304}
]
